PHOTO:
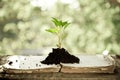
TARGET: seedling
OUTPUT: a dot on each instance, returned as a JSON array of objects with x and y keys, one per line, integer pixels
[
  {"x": 58, "y": 30},
  {"x": 59, "y": 55}
]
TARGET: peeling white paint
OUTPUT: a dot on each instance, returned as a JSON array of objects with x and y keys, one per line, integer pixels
[{"x": 26, "y": 62}]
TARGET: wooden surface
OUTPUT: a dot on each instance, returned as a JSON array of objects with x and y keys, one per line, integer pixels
[
  {"x": 64, "y": 76},
  {"x": 60, "y": 76},
  {"x": 88, "y": 64},
  {"x": 91, "y": 64}
]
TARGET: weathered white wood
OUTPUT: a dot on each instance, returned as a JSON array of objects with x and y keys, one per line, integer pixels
[
  {"x": 92, "y": 61},
  {"x": 27, "y": 62},
  {"x": 88, "y": 64},
  {"x": 91, "y": 64}
]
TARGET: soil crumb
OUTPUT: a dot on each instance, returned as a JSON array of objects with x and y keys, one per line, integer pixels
[{"x": 60, "y": 55}]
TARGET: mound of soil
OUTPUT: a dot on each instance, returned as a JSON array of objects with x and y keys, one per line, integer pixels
[{"x": 60, "y": 55}]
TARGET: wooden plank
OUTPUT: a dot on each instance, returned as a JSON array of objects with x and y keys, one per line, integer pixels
[
  {"x": 106, "y": 69},
  {"x": 91, "y": 64},
  {"x": 43, "y": 70},
  {"x": 88, "y": 64}
]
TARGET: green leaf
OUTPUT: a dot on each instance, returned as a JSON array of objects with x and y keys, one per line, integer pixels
[
  {"x": 58, "y": 23},
  {"x": 66, "y": 25},
  {"x": 52, "y": 30}
]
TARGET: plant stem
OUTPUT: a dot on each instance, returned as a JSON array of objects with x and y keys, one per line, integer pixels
[{"x": 59, "y": 38}]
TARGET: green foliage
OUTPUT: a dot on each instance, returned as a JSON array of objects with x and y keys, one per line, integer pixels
[
  {"x": 60, "y": 23},
  {"x": 54, "y": 31},
  {"x": 60, "y": 26},
  {"x": 95, "y": 25}
]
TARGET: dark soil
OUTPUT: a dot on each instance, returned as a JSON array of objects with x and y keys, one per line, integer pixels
[
  {"x": 118, "y": 56},
  {"x": 58, "y": 56}
]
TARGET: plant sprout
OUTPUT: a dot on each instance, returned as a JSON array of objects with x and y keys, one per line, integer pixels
[{"x": 58, "y": 30}]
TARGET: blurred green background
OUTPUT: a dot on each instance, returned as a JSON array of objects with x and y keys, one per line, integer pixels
[{"x": 95, "y": 25}]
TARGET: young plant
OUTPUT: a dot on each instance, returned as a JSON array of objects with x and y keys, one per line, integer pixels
[{"x": 58, "y": 30}]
